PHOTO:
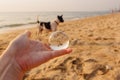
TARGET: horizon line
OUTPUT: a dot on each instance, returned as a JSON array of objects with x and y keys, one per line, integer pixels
[{"x": 58, "y": 11}]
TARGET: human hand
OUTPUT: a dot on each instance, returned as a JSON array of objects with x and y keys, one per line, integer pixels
[{"x": 30, "y": 53}]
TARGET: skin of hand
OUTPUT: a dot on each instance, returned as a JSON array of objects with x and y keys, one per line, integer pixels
[{"x": 23, "y": 54}]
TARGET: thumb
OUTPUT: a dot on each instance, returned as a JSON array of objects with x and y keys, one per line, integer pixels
[
  {"x": 22, "y": 36},
  {"x": 27, "y": 33},
  {"x": 21, "y": 39}
]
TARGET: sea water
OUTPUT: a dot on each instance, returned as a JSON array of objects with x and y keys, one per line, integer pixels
[{"x": 20, "y": 19}]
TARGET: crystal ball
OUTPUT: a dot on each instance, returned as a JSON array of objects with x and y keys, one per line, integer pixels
[{"x": 58, "y": 40}]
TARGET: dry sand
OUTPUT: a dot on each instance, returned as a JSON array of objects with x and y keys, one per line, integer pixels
[{"x": 96, "y": 51}]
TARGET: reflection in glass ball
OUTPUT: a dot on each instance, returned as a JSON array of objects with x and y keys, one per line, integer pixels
[{"x": 58, "y": 40}]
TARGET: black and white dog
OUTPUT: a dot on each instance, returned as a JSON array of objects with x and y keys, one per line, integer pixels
[{"x": 49, "y": 26}]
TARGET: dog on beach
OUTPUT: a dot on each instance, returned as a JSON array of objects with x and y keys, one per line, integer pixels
[{"x": 49, "y": 26}]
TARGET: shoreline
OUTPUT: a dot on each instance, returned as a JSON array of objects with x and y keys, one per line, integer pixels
[
  {"x": 12, "y": 29},
  {"x": 9, "y": 29}
]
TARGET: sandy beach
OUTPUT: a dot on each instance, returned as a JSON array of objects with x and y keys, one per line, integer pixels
[{"x": 96, "y": 50}]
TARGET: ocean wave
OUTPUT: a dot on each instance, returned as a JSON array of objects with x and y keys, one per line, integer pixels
[
  {"x": 16, "y": 24},
  {"x": 2, "y": 20},
  {"x": 31, "y": 22}
]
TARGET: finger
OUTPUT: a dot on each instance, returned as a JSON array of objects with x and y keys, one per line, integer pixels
[
  {"x": 60, "y": 52},
  {"x": 43, "y": 57}
]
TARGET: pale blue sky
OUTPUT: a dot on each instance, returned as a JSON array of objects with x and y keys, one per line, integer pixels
[{"x": 58, "y": 5}]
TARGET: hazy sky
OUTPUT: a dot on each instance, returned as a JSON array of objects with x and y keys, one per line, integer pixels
[{"x": 58, "y": 5}]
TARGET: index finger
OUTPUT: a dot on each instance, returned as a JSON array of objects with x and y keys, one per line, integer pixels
[{"x": 60, "y": 52}]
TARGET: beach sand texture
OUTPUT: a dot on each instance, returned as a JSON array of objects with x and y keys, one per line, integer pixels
[{"x": 96, "y": 50}]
